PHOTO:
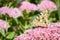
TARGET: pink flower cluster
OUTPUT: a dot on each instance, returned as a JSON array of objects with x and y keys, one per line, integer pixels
[
  {"x": 3, "y": 25},
  {"x": 4, "y": 10},
  {"x": 51, "y": 25},
  {"x": 27, "y": 6},
  {"x": 47, "y": 5},
  {"x": 49, "y": 33},
  {"x": 45, "y": 0},
  {"x": 14, "y": 12},
  {"x": 44, "y": 5}
]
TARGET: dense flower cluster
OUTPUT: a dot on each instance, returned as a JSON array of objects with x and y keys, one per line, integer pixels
[
  {"x": 3, "y": 25},
  {"x": 45, "y": 0},
  {"x": 4, "y": 10},
  {"x": 12, "y": 12},
  {"x": 27, "y": 6},
  {"x": 51, "y": 25},
  {"x": 47, "y": 5},
  {"x": 15, "y": 13},
  {"x": 49, "y": 33}
]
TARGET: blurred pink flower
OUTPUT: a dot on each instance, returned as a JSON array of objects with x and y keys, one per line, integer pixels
[
  {"x": 47, "y": 5},
  {"x": 51, "y": 25},
  {"x": 3, "y": 25},
  {"x": 41, "y": 34},
  {"x": 27, "y": 6},
  {"x": 3, "y": 10},
  {"x": 15, "y": 12},
  {"x": 46, "y": 0}
]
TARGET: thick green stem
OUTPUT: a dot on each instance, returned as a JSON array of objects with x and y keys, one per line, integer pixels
[{"x": 16, "y": 20}]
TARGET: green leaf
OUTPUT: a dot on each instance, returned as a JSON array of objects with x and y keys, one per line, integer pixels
[
  {"x": 15, "y": 19},
  {"x": 27, "y": 26},
  {"x": 11, "y": 35},
  {"x": 2, "y": 32}
]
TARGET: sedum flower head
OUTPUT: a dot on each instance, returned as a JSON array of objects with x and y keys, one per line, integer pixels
[
  {"x": 47, "y": 5},
  {"x": 46, "y": 0},
  {"x": 14, "y": 12},
  {"x": 51, "y": 25},
  {"x": 3, "y": 25},
  {"x": 39, "y": 33},
  {"x": 4, "y": 10},
  {"x": 27, "y": 6}
]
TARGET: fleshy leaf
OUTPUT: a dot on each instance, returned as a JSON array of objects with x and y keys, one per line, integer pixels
[
  {"x": 2, "y": 32},
  {"x": 11, "y": 35}
]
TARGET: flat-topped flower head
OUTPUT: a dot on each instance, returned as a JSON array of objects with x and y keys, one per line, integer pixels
[
  {"x": 3, "y": 25},
  {"x": 47, "y": 5},
  {"x": 15, "y": 12},
  {"x": 27, "y": 6},
  {"x": 51, "y": 25},
  {"x": 40, "y": 34},
  {"x": 23, "y": 37},
  {"x": 3, "y": 10}
]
